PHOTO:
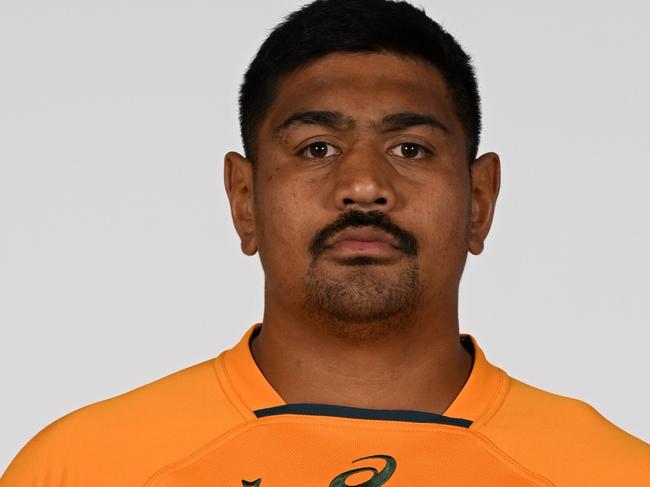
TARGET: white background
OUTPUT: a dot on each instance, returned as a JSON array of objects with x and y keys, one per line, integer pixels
[{"x": 118, "y": 260}]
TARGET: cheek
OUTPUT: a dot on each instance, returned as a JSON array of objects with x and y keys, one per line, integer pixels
[
  {"x": 283, "y": 232},
  {"x": 443, "y": 216}
]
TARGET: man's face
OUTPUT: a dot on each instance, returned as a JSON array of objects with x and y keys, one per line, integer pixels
[{"x": 361, "y": 202}]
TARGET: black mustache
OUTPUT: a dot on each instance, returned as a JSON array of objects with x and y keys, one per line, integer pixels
[{"x": 407, "y": 242}]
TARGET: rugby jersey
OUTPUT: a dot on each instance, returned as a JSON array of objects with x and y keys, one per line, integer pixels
[{"x": 220, "y": 423}]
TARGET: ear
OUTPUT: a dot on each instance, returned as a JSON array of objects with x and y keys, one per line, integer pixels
[
  {"x": 485, "y": 175},
  {"x": 238, "y": 179}
]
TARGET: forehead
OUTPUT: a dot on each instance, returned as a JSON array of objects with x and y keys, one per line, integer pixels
[{"x": 365, "y": 87}]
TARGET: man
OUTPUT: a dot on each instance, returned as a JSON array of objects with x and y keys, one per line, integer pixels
[{"x": 362, "y": 191}]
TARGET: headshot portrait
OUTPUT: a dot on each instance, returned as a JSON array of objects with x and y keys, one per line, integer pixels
[{"x": 338, "y": 243}]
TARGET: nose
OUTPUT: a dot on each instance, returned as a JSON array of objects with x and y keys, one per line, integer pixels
[{"x": 364, "y": 182}]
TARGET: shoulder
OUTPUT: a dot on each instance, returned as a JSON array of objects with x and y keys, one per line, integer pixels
[
  {"x": 152, "y": 425},
  {"x": 566, "y": 439}
]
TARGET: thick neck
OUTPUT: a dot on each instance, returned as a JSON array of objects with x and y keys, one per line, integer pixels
[{"x": 422, "y": 368}]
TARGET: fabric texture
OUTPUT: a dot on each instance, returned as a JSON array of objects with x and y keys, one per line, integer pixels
[{"x": 220, "y": 423}]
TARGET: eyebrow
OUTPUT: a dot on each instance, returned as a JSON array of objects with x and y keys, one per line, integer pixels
[
  {"x": 331, "y": 120},
  {"x": 337, "y": 121},
  {"x": 402, "y": 120}
]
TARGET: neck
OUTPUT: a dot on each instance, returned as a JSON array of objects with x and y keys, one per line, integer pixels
[{"x": 422, "y": 366}]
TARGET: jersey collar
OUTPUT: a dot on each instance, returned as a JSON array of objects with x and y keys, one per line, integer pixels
[{"x": 249, "y": 390}]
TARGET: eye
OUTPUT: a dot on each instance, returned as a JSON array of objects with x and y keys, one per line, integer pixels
[
  {"x": 409, "y": 150},
  {"x": 319, "y": 150}
]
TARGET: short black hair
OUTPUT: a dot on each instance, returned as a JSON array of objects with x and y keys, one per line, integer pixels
[{"x": 330, "y": 26}]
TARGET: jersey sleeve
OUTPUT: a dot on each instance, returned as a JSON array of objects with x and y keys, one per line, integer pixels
[
  {"x": 40, "y": 463},
  {"x": 122, "y": 441}
]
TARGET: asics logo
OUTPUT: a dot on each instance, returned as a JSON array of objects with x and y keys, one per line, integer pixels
[{"x": 379, "y": 477}]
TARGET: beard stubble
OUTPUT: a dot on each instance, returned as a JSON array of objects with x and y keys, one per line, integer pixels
[{"x": 362, "y": 303}]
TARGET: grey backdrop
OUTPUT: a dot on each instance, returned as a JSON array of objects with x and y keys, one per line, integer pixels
[{"x": 118, "y": 260}]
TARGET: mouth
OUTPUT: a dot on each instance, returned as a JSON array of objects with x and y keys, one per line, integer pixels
[{"x": 364, "y": 242}]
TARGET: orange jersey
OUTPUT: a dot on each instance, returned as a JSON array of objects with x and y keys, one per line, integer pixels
[{"x": 221, "y": 424}]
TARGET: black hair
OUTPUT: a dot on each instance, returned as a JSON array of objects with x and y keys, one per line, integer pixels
[{"x": 329, "y": 26}]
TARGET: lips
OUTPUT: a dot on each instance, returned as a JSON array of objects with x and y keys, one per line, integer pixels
[
  {"x": 359, "y": 231},
  {"x": 364, "y": 234},
  {"x": 363, "y": 240}
]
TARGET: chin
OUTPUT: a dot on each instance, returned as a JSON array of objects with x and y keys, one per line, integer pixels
[{"x": 362, "y": 298}]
